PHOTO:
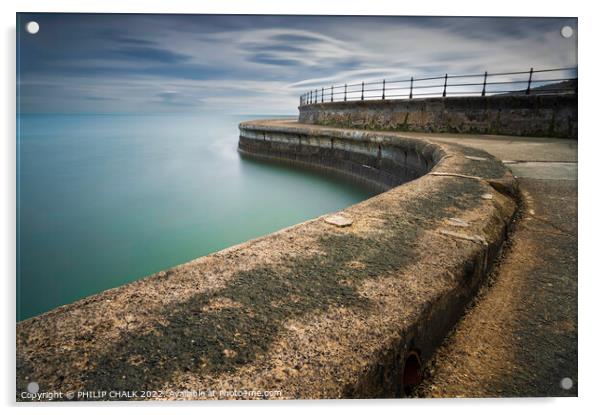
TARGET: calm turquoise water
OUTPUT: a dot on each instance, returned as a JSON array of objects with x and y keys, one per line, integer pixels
[{"x": 106, "y": 199}]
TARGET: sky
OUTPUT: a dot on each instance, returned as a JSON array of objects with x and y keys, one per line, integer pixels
[{"x": 245, "y": 64}]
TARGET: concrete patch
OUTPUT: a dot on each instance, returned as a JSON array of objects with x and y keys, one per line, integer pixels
[
  {"x": 338, "y": 220},
  {"x": 457, "y": 222},
  {"x": 545, "y": 170}
]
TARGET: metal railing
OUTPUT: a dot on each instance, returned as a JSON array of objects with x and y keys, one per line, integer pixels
[{"x": 542, "y": 81}]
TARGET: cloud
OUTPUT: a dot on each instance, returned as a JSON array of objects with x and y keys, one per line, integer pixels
[
  {"x": 273, "y": 59},
  {"x": 149, "y": 53},
  {"x": 238, "y": 64}
]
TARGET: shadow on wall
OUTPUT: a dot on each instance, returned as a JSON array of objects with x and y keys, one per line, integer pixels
[{"x": 220, "y": 331}]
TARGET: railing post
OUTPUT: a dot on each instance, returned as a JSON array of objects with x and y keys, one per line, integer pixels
[
  {"x": 345, "y": 94},
  {"x": 322, "y": 94},
  {"x": 331, "y": 93},
  {"x": 411, "y": 87},
  {"x": 362, "y": 90},
  {"x": 316, "y": 97},
  {"x": 484, "y": 84},
  {"x": 529, "y": 84},
  {"x": 445, "y": 87},
  {"x": 311, "y": 98},
  {"x": 383, "y": 89}
]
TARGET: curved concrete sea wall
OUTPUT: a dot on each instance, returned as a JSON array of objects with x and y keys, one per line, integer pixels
[
  {"x": 373, "y": 158},
  {"x": 341, "y": 306},
  {"x": 521, "y": 115}
]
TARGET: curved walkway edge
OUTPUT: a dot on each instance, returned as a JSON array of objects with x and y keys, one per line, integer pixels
[{"x": 520, "y": 336}]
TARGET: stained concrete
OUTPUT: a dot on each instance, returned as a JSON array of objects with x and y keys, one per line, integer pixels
[
  {"x": 553, "y": 115},
  {"x": 545, "y": 170},
  {"x": 520, "y": 337},
  {"x": 511, "y": 148}
]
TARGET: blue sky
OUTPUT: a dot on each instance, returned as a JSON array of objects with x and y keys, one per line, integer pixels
[{"x": 258, "y": 64}]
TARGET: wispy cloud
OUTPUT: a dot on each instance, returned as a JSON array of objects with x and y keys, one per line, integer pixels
[{"x": 254, "y": 64}]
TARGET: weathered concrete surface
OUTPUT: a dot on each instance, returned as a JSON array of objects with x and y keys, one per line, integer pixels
[
  {"x": 384, "y": 160},
  {"x": 510, "y": 148},
  {"x": 520, "y": 337},
  {"x": 545, "y": 170},
  {"x": 520, "y": 115},
  {"x": 315, "y": 310}
]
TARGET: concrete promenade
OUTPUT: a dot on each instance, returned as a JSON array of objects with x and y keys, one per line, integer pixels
[{"x": 520, "y": 338}]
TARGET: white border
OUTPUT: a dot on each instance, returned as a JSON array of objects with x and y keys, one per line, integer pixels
[
  {"x": 589, "y": 201},
  {"x": 349, "y": 7}
]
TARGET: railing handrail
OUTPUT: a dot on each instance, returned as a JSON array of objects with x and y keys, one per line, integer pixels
[{"x": 350, "y": 92}]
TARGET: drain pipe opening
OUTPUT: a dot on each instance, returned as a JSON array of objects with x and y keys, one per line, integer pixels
[{"x": 412, "y": 371}]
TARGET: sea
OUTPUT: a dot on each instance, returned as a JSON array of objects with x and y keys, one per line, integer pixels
[{"x": 106, "y": 199}]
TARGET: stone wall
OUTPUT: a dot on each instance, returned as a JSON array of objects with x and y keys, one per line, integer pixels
[
  {"x": 366, "y": 157},
  {"x": 521, "y": 115}
]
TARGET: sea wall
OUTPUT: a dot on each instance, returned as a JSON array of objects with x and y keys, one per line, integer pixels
[
  {"x": 520, "y": 115},
  {"x": 372, "y": 158},
  {"x": 347, "y": 305}
]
